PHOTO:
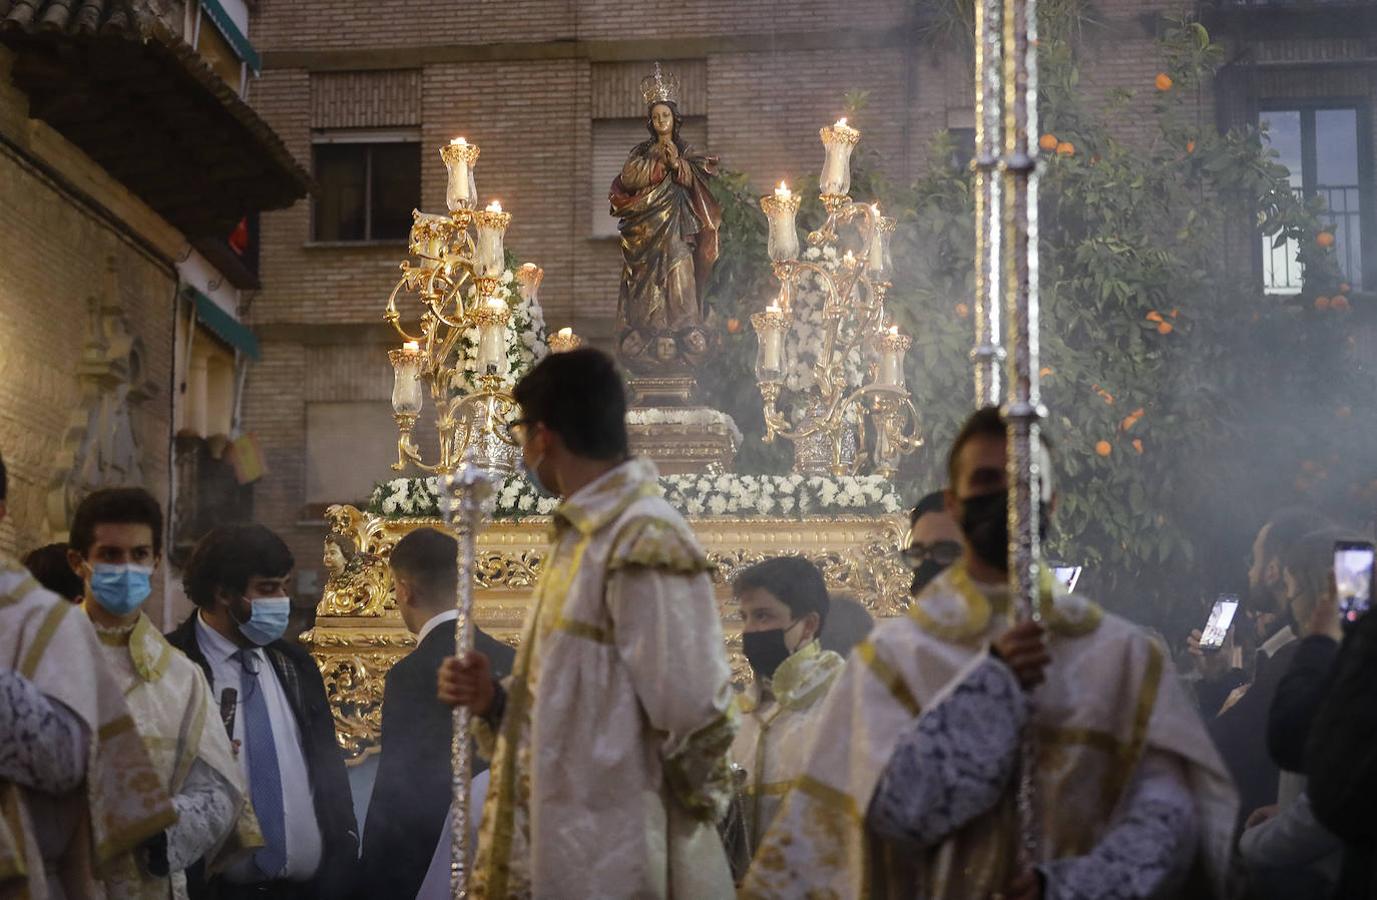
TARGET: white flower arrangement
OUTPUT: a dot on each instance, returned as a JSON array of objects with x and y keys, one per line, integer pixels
[
  {"x": 804, "y": 341},
  {"x": 694, "y": 417},
  {"x": 525, "y": 337},
  {"x": 782, "y": 496}
]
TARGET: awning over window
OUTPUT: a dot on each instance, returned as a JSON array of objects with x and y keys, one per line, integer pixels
[
  {"x": 217, "y": 14},
  {"x": 226, "y": 327}
]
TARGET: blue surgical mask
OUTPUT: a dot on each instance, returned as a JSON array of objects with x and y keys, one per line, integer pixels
[
  {"x": 534, "y": 478},
  {"x": 267, "y": 619},
  {"x": 120, "y": 589}
]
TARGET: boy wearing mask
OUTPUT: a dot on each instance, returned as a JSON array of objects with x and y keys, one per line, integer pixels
[
  {"x": 784, "y": 605},
  {"x": 115, "y": 547}
]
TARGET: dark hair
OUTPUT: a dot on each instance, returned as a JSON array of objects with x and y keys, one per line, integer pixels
[
  {"x": 988, "y": 421},
  {"x": 931, "y": 503},
  {"x": 1287, "y": 526},
  {"x": 793, "y": 580},
  {"x": 848, "y": 623},
  {"x": 426, "y": 557},
  {"x": 115, "y": 506},
  {"x": 50, "y": 567},
  {"x": 650, "y": 127},
  {"x": 579, "y": 396},
  {"x": 229, "y": 556},
  {"x": 1310, "y": 560}
]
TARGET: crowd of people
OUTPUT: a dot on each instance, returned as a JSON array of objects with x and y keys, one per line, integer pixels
[{"x": 913, "y": 757}]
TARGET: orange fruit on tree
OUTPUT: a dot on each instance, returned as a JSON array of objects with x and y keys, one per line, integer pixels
[
  {"x": 1048, "y": 142},
  {"x": 1103, "y": 448},
  {"x": 1322, "y": 303},
  {"x": 1339, "y": 302},
  {"x": 1345, "y": 288},
  {"x": 962, "y": 310},
  {"x": 1138, "y": 445},
  {"x": 1045, "y": 371},
  {"x": 733, "y": 326},
  {"x": 1153, "y": 316},
  {"x": 1163, "y": 81},
  {"x": 1190, "y": 146},
  {"x": 1325, "y": 239},
  {"x": 1165, "y": 328},
  {"x": 1066, "y": 148}
]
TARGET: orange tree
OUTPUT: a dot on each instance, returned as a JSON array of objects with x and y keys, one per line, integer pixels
[{"x": 1185, "y": 403}]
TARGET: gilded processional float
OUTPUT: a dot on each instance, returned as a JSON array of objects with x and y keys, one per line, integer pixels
[{"x": 830, "y": 369}]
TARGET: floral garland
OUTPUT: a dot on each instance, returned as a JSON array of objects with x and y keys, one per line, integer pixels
[
  {"x": 789, "y": 496},
  {"x": 525, "y": 337},
  {"x": 696, "y": 417}
]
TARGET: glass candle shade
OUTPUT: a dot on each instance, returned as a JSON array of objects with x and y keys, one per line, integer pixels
[
  {"x": 528, "y": 277},
  {"x": 406, "y": 379},
  {"x": 490, "y": 319},
  {"x": 460, "y": 190},
  {"x": 781, "y": 209},
  {"x": 770, "y": 329},
  {"x": 429, "y": 236},
  {"x": 491, "y": 224},
  {"x": 878, "y": 264},
  {"x": 893, "y": 346},
  {"x": 837, "y": 142}
]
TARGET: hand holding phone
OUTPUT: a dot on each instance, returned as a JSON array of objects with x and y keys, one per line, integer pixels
[
  {"x": 1217, "y": 625},
  {"x": 1353, "y": 563}
]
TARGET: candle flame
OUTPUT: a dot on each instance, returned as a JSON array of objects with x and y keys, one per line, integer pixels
[
  {"x": 849, "y": 258},
  {"x": 841, "y": 123},
  {"x": 772, "y": 308},
  {"x": 566, "y": 332},
  {"x": 496, "y": 302},
  {"x": 894, "y": 329},
  {"x": 411, "y": 346},
  {"x": 495, "y": 206},
  {"x": 459, "y": 142},
  {"x": 528, "y": 266}
]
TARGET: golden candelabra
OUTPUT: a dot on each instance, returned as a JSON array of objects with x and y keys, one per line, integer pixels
[
  {"x": 453, "y": 278},
  {"x": 831, "y": 434}
]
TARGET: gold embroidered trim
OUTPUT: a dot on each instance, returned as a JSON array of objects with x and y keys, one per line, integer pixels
[
  {"x": 979, "y": 610},
  {"x": 889, "y": 677},
  {"x": 135, "y": 834},
  {"x": 18, "y": 593},
  {"x": 772, "y": 789},
  {"x": 583, "y": 630},
  {"x": 51, "y": 621},
  {"x": 1142, "y": 715},
  {"x": 655, "y": 543},
  {"x": 1085, "y": 737},
  {"x": 829, "y": 797},
  {"x": 115, "y": 728}
]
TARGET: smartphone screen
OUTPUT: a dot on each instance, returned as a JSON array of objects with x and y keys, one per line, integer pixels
[
  {"x": 1217, "y": 626},
  {"x": 1067, "y": 575},
  {"x": 1353, "y": 578}
]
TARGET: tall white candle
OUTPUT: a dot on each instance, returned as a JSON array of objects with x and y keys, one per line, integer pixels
[
  {"x": 772, "y": 344},
  {"x": 491, "y": 319},
  {"x": 892, "y": 346},
  {"x": 460, "y": 190},
  {"x": 877, "y": 261},
  {"x": 406, "y": 379},
  {"x": 838, "y": 141},
  {"x": 781, "y": 209},
  {"x": 491, "y": 224}
]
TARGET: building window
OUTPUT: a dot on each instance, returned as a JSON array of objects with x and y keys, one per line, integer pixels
[
  {"x": 963, "y": 147},
  {"x": 612, "y": 143},
  {"x": 367, "y": 188},
  {"x": 1324, "y": 148}
]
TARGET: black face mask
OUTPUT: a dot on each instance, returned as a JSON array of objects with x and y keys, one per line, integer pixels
[
  {"x": 928, "y": 570},
  {"x": 985, "y": 523},
  {"x": 765, "y": 650}
]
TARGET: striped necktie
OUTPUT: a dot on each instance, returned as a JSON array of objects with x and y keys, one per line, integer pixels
[{"x": 264, "y": 775}]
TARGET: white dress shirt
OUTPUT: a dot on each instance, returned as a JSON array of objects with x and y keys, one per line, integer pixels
[
  {"x": 434, "y": 622},
  {"x": 299, "y": 812}
]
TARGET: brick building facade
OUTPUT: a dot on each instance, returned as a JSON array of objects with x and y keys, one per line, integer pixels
[
  {"x": 548, "y": 91},
  {"x": 128, "y": 161}
]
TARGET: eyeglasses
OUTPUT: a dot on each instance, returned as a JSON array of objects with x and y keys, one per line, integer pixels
[
  {"x": 944, "y": 553},
  {"x": 511, "y": 428}
]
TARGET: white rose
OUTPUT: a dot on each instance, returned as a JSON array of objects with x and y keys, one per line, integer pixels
[
  {"x": 718, "y": 505},
  {"x": 526, "y": 502}
]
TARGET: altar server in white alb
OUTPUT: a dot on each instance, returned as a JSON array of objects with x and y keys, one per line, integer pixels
[
  {"x": 78, "y": 793},
  {"x": 784, "y": 608},
  {"x": 609, "y": 741},
  {"x": 115, "y": 546},
  {"x": 913, "y": 793}
]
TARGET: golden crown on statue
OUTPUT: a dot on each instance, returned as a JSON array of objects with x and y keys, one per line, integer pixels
[{"x": 660, "y": 88}]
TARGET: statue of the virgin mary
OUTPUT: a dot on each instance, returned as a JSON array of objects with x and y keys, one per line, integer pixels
[{"x": 669, "y": 221}]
